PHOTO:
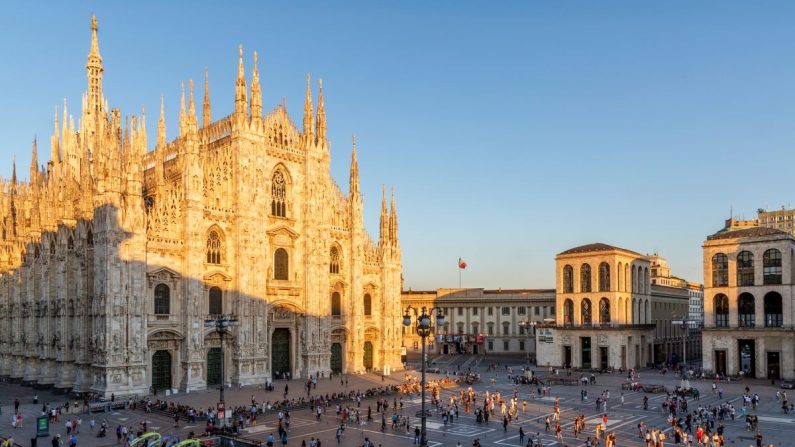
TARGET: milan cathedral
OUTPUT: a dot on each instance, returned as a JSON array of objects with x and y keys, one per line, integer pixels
[{"x": 112, "y": 256}]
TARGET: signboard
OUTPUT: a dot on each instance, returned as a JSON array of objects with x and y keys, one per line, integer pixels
[
  {"x": 545, "y": 335},
  {"x": 42, "y": 426}
]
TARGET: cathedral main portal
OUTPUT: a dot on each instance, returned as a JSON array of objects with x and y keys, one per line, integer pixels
[{"x": 280, "y": 349}]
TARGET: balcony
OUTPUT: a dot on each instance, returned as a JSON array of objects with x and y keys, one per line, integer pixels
[
  {"x": 602, "y": 326},
  {"x": 746, "y": 320},
  {"x": 774, "y": 320}
]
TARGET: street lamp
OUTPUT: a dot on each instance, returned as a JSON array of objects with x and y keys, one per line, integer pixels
[
  {"x": 527, "y": 325},
  {"x": 222, "y": 324},
  {"x": 424, "y": 328},
  {"x": 684, "y": 324}
]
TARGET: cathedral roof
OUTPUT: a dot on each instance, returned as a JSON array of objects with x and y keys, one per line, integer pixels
[
  {"x": 746, "y": 232},
  {"x": 598, "y": 246}
]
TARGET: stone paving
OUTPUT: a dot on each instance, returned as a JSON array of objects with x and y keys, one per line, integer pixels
[{"x": 776, "y": 426}]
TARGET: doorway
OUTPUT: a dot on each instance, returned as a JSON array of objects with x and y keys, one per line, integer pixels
[
  {"x": 623, "y": 357},
  {"x": 585, "y": 355},
  {"x": 161, "y": 370},
  {"x": 336, "y": 358},
  {"x": 368, "y": 355},
  {"x": 773, "y": 365},
  {"x": 603, "y": 358},
  {"x": 720, "y": 362},
  {"x": 747, "y": 357},
  {"x": 567, "y": 356},
  {"x": 214, "y": 359},
  {"x": 475, "y": 349},
  {"x": 280, "y": 349}
]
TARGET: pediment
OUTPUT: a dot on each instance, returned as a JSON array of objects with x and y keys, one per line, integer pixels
[
  {"x": 216, "y": 277},
  {"x": 283, "y": 231},
  {"x": 163, "y": 273}
]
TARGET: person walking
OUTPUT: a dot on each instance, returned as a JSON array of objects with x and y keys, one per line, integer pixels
[{"x": 521, "y": 436}]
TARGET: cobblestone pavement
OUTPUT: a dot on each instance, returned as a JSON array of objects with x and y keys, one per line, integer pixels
[{"x": 775, "y": 426}]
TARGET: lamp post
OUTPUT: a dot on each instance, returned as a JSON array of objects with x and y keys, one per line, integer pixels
[
  {"x": 424, "y": 329},
  {"x": 222, "y": 324},
  {"x": 528, "y": 325},
  {"x": 684, "y": 324}
]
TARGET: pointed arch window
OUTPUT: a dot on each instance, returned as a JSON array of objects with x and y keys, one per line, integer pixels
[
  {"x": 368, "y": 305},
  {"x": 214, "y": 247},
  {"x": 216, "y": 304},
  {"x": 281, "y": 264},
  {"x": 604, "y": 310},
  {"x": 568, "y": 279},
  {"x": 334, "y": 262},
  {"x": 278, "y": 195},
  {"x": 585, "y": 312},
  {"x": 90, "y": 238},
  {"x": 336, "y": 304},
  {"x": 585, "y": 278},
  {"x": 162, "y": 300},
  {"x": 604, "y": 277},
  {"x": 70, "y": 243}
]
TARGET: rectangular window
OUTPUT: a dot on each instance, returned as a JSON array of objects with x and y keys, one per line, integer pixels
[
  {"x": 521, "y": 310},
  {"x": 491, "y": 345},
  {"x": 521, "y": 330},
  {"x": 506, "y": 310},
  {"x": 536, "y": 310},
  {"x": 491, "y": 311},
  {"x": 552, "y": 310},
  {"x": 521, "y": 345},
  {"x": 505, "y": 329},
  {"x": 460, "y": 311},
  {"x": 474, "y": 311},
  {"x": 505, "y": 345},
  {"x": 491, "y": 329}
]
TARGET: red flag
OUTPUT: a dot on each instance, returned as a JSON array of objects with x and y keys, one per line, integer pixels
[{"x": 462, "y": 264}]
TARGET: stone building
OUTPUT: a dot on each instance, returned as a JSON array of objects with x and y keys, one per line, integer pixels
[
  {"x": 604, "y": 310},
  {"x": 748, "y": 302},
  {"x": 479, "y": 321},
  {"x": 671, "y": 297},
  {"x": 112, "y": 257}
]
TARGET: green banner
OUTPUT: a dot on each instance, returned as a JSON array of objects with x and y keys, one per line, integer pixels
[{"x": 42, "y": 426}]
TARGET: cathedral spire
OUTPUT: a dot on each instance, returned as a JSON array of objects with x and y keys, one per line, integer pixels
[
  {"x": 241, "y": 103},
  {"x": 161, "y": 124},
  {"x": 182, "y": 117},
  {"x": 321, "y": 116},
  {"x": 393, "y": 224},
  {"x": 34, "y": 164},
  {"x": 384, "y": 227},
  {"x": 206, "y": 117},
  {"x": 309, "y": 119},
  {"x": 256, "y": 91},
  {"x": 354, "y": 181},
  {"x": 54, "y": 140},
  {"x": 192, "y": 122},
  {"x": 14, "y": 173},
  {"x": 94, "y": 69}
]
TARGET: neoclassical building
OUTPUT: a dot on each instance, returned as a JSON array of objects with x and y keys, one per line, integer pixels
[
  {"x": 112, "y": 256},
  {"x": 748, "y": 302},
  {"x": 604, "y": 310}
]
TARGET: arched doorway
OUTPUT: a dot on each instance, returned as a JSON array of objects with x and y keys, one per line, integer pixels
[
  {"x": 336, "y": 358},
  {"x": 368, "y": 355},
  {"x": 161, "y": 370},
  {"x": 215, "y": 359},
  {"x": 280, "y": 351}
]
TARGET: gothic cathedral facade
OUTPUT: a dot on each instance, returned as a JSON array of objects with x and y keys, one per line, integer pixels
[{"x": 112, "y": 257}]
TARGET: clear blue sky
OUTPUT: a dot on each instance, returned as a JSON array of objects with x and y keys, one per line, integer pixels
[{"x": 511, "y": 131}]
